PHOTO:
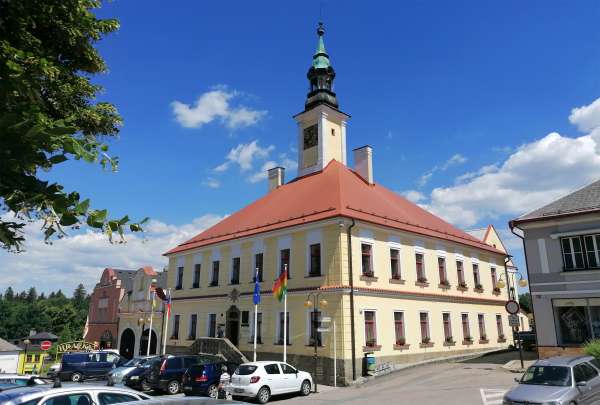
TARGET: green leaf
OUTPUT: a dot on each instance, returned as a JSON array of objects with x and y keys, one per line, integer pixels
[{"x": 68, "y": 219}]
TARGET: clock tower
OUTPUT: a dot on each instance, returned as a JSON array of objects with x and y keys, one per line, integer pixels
[{"x": 321, "y": 126}]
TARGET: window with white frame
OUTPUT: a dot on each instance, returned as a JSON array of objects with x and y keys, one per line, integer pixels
[
  {"x": 424, "y": 324},
  {"x": 280, "y": 328},
  {"x": 442, "y": 271},
  {"x": 399, "y": 328},
  {"x": 466, "y": 327},
  {"x": 179, "y": 281},
  {"x": 258, "y": 267},
  {"x": 367, "y": 259},
  {"x": 581, "y": 252},
  {"x": 476, "y": 278},
  {"x": 192, "y": 327},
  {"x": 214, "y": 278},
  {"x": 460, "y": 272},
  {"x": 175, "y": 333},
  {"x": 494, "y": 279},
  {"x": 499, "y": 326},
  {"x": 420, "y": 266},
  {"x": 196, "y": 278},
  {"x": 447, "y": 327},
  {"x": 315, "y": 260},
  {"x": 284, "y": 262},
  {"x": 314, "y": 325},
  {"x": 235, "y": 271},
  {"x": 211, "y": 325},
  {"x": 370, "y": 328},
  {"x": 395, "y": 263},
  {"x": 481, "y": 323}
]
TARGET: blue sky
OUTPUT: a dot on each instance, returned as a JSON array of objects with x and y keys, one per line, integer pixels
[{"x": 455, "y": 97}]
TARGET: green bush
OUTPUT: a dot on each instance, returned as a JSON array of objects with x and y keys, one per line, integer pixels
[{"x": 592, "y": 348}]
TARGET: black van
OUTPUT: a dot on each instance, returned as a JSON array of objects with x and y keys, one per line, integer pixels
[{"x": 79, "y": 366}]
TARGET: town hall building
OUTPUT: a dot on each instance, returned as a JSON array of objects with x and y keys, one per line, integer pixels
[{"x": 397, "y": 281}]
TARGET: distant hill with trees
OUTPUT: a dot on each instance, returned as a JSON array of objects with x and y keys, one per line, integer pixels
[{"x": 55, "y": 313}]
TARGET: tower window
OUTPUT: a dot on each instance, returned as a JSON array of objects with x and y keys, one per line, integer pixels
[{"x": 332, "y": 131}]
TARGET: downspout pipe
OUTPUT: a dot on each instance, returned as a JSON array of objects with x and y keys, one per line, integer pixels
[{"x": 351, "y": 280}]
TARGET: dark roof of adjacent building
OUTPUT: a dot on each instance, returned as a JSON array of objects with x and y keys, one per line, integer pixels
[
  {"x": 8, "y": 347},
  {"x": 581, "y": 201},
  {"x": 42, "y": 336},
  {"x": 336, "y": 191}
]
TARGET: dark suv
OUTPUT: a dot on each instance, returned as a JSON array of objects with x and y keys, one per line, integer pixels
[
  {"x": 166, "y": 375},
  {"x": 138, "y": 377},
  {"x": 79, "y": 366},
  {"x": 203, "y": 379}
]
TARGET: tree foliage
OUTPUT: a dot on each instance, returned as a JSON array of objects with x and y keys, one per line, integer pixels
[
  {"x": 60, "y": 315},
  {"x": 525, "y": 302},
  {"x": 49, "y": 115}
]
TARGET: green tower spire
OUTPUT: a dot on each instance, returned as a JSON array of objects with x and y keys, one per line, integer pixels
[
  {"x": 320, "y": 58},
  {"x": 321, "y": 76}
]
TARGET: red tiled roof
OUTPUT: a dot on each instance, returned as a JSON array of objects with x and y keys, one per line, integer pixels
[{"x": 336, "y": 191}]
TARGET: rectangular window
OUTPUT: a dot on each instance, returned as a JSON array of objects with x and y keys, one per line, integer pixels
[
  {"x": 573, "y": 253},
  {"x": 447, "y": 327},
  {"x": 460, "y": 273},
  {"x": 280, "y": 329},
  {"x": 399, "y": 328},
  {"x": 284, "y": 260},
  {"x": 175, "y": 334},
  {"x": 235, "y": 270},
  {"x": 258, "y": 267},
  {"x": 245, "y": 318},
  {"x": 214, "y": 279},
  {"x": 420, "y": 268},
  {"x": 258, "y": 328},
  {"x": 424, "y": 322},
  {"x": 494, "y": 279},
  {"x": 29, "y": 358},
  {"x": 370, "y": 329},
  {"x": 367, "y": 259},
  {"x": 592, "y": 248},
  {"x": 193, "y": 326},
  {"x": 481, "y": 323},
  {"x": 466, "y": 328},
  {"x": 315, "y": 260},
  {"x": 499, "y": 326},
  {"x": 476, "y": 278},
  {"x": 577, "y": 320},
  {"x": 315, "y": 320},
  {"x": 212, "y": 325},
  {"x": 395, "y": 263},
  {"x": 442, "y": 271},
  {"x": 179, "y": 281},
  {"x": 196, "y": 281}
]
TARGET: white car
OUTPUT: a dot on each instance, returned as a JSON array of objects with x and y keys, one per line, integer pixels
[
  {"x": 262, "y": 379},
  {"x": 23, "y": 380}
]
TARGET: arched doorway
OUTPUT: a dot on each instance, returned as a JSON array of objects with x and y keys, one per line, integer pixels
[
  {"x": 144, "y": 343},
  {"x": 106, "y": 340},
  {"x": 232, "y": 325},
  {"x": 127, "y": 345}
]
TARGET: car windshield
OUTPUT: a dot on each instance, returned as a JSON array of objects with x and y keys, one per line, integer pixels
[
  {"x": 134, "y": 362},
  {"x": 245, "y": 370},
  {"x": 555, "y": 376}
]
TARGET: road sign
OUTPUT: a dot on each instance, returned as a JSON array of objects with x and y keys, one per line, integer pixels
[
  {"x": 46, "y": 345},
  {"x": 321, "y": 329},
  {"x": 513, "y": 320},
  {"x": 512, "y": 306}
]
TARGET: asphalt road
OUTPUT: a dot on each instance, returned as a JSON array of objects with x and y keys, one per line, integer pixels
[{"x": 480, "y": 381}]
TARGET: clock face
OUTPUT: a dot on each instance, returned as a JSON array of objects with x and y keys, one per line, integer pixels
[{"x": 311, "y": 136}]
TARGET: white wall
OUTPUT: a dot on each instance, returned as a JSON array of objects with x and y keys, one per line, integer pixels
[{"x": 9, "y": 362}]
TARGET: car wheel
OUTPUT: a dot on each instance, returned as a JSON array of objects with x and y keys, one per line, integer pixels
[
  {"x": 173, "y": 387},
  {"x": 263, "y": 396},
  {"x": 76, "y": 377},
  {"x": 145, "y": 386},
  {"x": 305, "y": 388},
  {"x": 213, "y": 391}
]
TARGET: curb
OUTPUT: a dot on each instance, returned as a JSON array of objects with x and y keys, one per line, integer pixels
[{"x": 400, "y": 367}]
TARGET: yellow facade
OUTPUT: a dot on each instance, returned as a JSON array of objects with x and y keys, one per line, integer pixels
[
  {"x": 378, "y": 293},
  {"x": 31, "y": 362}
]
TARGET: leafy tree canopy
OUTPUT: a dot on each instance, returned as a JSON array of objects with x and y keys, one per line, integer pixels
[
  {"x": 525, "y": 302},
  {"x": 49, "y": 115}
]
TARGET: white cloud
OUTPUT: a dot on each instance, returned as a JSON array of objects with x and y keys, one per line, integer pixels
[
  {"x": 244, "y": 156},
  {"x": 212, "y": 105},
  {"x": 456, "y": 159},
  {"x": 81, "y": 257},
  {"x": 212, "y": 182},
  {"x": 587, "y": 117},
  {"x": 534, "y": 175},
  {"x": 284, "y": 161},
  {"x": 414, "y": 195}
]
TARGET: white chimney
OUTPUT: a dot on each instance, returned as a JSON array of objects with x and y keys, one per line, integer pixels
[
  {"x": 276, "y": 177},
  {"x": 363, "y": 162}
]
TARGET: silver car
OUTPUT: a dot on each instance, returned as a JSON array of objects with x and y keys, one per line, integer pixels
[
  {"x": 119, "y": 373},
  {"x": 558, "y": 381},
  {"x": 74, "y": 394}
]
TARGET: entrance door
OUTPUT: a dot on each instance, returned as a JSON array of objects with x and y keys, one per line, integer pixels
[
  {"x": 127, "y": 345},
  {"x": 232, "y": 326}
]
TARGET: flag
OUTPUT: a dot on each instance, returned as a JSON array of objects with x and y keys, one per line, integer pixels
[
  {"x": 168, "y": 304},
  {"x": 256, "y": 296},
  {"x": 280, "y": 286}
]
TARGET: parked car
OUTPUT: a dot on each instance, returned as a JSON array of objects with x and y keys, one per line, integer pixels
[
  {"x": 80, "y": 394},
  {"x": 138, "y": 377},
  {"x": 203, "y": 379},
  {"x": 21, "y": 380},
  {"x": 262, "y": 379},
  {"x": 558, "y": 380},
  {"x": 79, "y": 366},
  {"x": 185, "y": 401},
  {"x": 528, "y": 339},
  {"x": 118, "y": 374},
  {"x": 166, "y": 376}
]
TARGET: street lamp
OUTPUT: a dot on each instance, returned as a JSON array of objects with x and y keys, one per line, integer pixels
[
  {"x": 27, "y": 343},
  {"x": 502, "y": 283},
  {"x": 316, "y": 301}
]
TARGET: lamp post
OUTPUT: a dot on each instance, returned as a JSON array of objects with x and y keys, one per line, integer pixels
[
  {"x": 142, "y": 323},
  {"x": 316, "y": 300},
  {"x": 27, "y": 343},
  {"x": 511, "y": 296}
]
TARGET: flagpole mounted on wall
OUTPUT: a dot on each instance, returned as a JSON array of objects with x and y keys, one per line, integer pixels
[
  {"x": 152, "y": 293},
  {"x": 285, "y": 315}
]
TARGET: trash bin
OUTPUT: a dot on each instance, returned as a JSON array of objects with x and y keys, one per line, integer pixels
[{"x": 368, "y": 364}]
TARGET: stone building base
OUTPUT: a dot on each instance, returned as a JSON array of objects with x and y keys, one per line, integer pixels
[{"x": 550, "y": 351}]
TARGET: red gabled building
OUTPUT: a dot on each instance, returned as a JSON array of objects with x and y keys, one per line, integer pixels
[{"x": 103, "y": 321}]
